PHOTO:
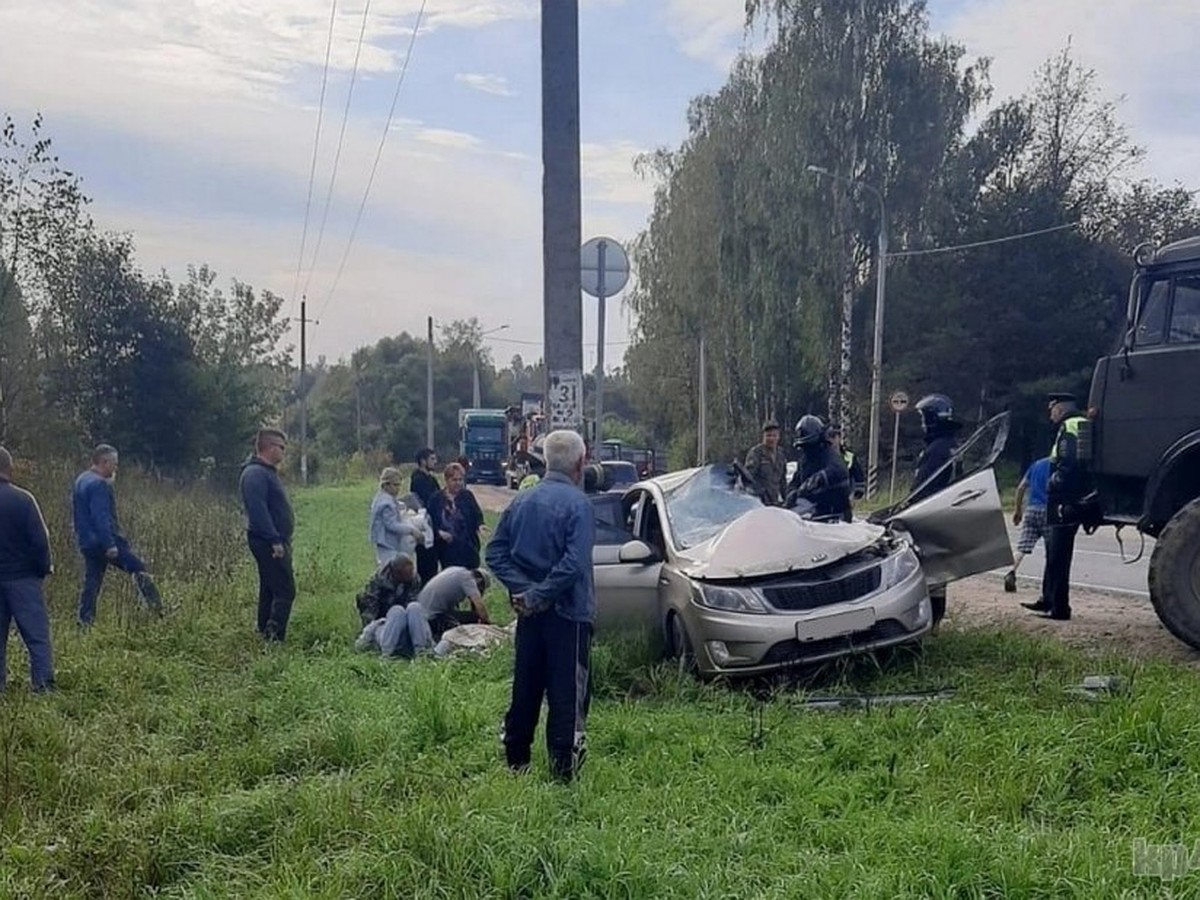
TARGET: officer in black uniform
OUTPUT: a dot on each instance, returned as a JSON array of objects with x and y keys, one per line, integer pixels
[
  {"x": 1067, "y": 494},
  {"x": 821, "y": 478},
  {"x": 940, "y": 430},
  {"x": 858, "y": 479}
]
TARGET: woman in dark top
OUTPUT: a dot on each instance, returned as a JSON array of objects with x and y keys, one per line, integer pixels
[{"x": 457, "y": 519}]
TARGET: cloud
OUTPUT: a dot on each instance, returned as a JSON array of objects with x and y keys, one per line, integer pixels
[
  {"x": 234, "y": 47},
  {"x": 608, "y": 176},
  {"x": 1145, "y": 51},
  {"x": 488, "y": 84},
  {"x": 445, "y": 137},
  {"x": 708, "y": 30}
]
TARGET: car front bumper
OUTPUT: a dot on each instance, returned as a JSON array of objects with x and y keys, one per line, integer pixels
[{"x": 742, "y": 644}]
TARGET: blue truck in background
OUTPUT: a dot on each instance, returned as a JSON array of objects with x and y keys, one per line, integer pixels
[{"x": 483, "y": 442}]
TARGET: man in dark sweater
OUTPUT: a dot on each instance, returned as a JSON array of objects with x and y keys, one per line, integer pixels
[
  {"x": 424, "y": 484},
  {"x": 98, "y": 534},
  {"x": 269, "y": 527},
  {"x": 24, "y": 563}
]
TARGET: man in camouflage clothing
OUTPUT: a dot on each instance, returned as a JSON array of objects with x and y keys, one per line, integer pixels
[
  {"x": 395, "y": 584},
  {"x": 767, "y": 465}
]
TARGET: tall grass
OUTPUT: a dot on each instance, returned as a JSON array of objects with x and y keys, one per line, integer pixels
[{"x": 183, "y": 758}]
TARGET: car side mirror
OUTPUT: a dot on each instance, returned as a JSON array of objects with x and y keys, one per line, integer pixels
[{"x": 637, "y": 552}]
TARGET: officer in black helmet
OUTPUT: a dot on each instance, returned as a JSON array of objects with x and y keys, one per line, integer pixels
[
  {"x": 939, "y": 429},
  {"x": 821, "y": 478}
]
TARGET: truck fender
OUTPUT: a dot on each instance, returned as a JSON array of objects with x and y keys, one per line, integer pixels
[{"x": 1161, "y": 501}]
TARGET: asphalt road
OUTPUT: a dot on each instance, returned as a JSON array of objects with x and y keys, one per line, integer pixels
[{"x": 1097, "y": 564}]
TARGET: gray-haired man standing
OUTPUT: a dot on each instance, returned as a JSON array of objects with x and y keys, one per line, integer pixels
[{"x": 542, "y": 552}]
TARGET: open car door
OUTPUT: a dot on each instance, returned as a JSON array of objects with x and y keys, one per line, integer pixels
[
  {"x": 960, "y": 530},
  {"x": 626, "y": 570}
]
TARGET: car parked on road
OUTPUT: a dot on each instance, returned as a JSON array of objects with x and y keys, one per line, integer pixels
[{"x": 736, "y": 588}]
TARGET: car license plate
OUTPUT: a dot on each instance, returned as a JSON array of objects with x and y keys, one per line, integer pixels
[{"x": 835, "y": 625}]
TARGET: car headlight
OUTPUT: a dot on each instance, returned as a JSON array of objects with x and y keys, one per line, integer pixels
[
  {"x": 730, "y": 599},
  {"x": 899, "y": 566}
]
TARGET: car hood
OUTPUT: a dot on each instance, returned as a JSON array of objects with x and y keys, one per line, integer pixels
[{"x": 774, "y": 541}]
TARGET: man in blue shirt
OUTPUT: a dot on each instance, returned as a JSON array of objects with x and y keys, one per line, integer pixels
[
  {"x": 1030, "y": 514},
  {"x": 24, "y": 563},
  {"x": 269, "y": 527},
  {"x": 542, "y": 553},
  {"x": 99, "y": 536}
]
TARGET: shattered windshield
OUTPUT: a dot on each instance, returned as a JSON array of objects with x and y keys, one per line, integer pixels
[{"x": 703, "y": 505}]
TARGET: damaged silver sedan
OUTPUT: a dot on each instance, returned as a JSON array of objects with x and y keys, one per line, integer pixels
[{"x": 738, "y": 588}]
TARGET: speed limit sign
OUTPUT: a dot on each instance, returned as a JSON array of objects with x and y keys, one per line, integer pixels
[{"x": 899, "y": 401}]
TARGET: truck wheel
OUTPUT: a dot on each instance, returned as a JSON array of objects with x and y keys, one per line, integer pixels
[{"x": 1175, "y": 575}]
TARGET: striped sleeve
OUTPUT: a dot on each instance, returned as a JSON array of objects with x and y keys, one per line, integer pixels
[{"x": 39, "y": 534}]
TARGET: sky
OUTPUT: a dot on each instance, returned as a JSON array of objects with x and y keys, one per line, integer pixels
[{"x": 192, "y": 124}]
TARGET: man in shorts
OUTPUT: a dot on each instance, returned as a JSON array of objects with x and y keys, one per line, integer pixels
[{"x": 1030, "y": 514}]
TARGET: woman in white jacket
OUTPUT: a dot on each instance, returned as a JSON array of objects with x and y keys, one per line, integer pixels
[{"x": 394, "y": 529}]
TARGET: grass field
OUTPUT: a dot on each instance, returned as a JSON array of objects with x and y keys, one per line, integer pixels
[{"x": 183, "y": 759}]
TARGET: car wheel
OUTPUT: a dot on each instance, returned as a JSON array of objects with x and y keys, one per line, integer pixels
[{"x": 681, "y": 645}]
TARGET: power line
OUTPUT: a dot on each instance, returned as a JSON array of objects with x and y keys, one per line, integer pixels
[
  {"x": 337, "y": 156},
  {"x": 312, "y": 171},
  {"x": 387, "y": 126},
  {"x": 1001, "y": 240}
]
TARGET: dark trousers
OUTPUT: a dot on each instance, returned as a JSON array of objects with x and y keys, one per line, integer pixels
[
  {"x": 1056, "y": 579},
  {"x": 552, "y": 656},
  {"x": 96, "y": 563},
  {"x": 276, "y": 589},
  {"x": 427, "y": 563},
  {"x": 22, "y": 602},
  {"x": 440, "y": 623}
]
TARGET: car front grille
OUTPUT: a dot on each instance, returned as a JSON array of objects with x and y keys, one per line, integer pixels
[
  {"x": 794, "y": 651},
  {"x": 826, "y": 592}
]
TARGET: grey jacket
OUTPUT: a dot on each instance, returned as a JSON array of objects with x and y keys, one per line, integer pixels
[{"x": 391, "y": 532}]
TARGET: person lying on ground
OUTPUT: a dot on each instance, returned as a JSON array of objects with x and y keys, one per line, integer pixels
[{"x": 403, "y": 633}]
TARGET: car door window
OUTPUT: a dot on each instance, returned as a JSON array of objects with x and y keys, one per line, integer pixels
[
  {"x": 1151, "y": 326},
  {"x": 650, "y": 527},
  {"x": 611, "y": 524},
  {"x": 1185, "y": 311}
]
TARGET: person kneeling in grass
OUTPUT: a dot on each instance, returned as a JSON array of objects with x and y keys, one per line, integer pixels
[
  {"x": 444, "y": 593},
  {"x": 393, "y": 621}
]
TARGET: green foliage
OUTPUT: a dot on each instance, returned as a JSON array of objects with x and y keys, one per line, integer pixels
[
  {"x": 172, "y": 375},
  {"x": 627, "y": 432},
  {"x": 776, "y": 266},
  {"x": 182, "y": 758}
]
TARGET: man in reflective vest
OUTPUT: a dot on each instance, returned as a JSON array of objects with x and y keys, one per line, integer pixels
[{"x": 1067, "y": 488}]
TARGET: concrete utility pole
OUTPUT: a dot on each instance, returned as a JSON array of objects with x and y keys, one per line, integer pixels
[
  {"x": 429, "y": 388},
  {"x": 561, "y": 228}
]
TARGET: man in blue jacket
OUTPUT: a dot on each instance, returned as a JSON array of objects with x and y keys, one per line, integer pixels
[
  {"x": 24, "y": 563},
  {"x": 269, "y": 527},
  {"x": 99, "y": 536},
  {"x": 542, "y": 553}
]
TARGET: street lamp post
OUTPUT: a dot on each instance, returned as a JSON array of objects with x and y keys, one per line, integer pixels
[
  {"x": 475, "y": 399},
  {"x": 877, "y": 350}
]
